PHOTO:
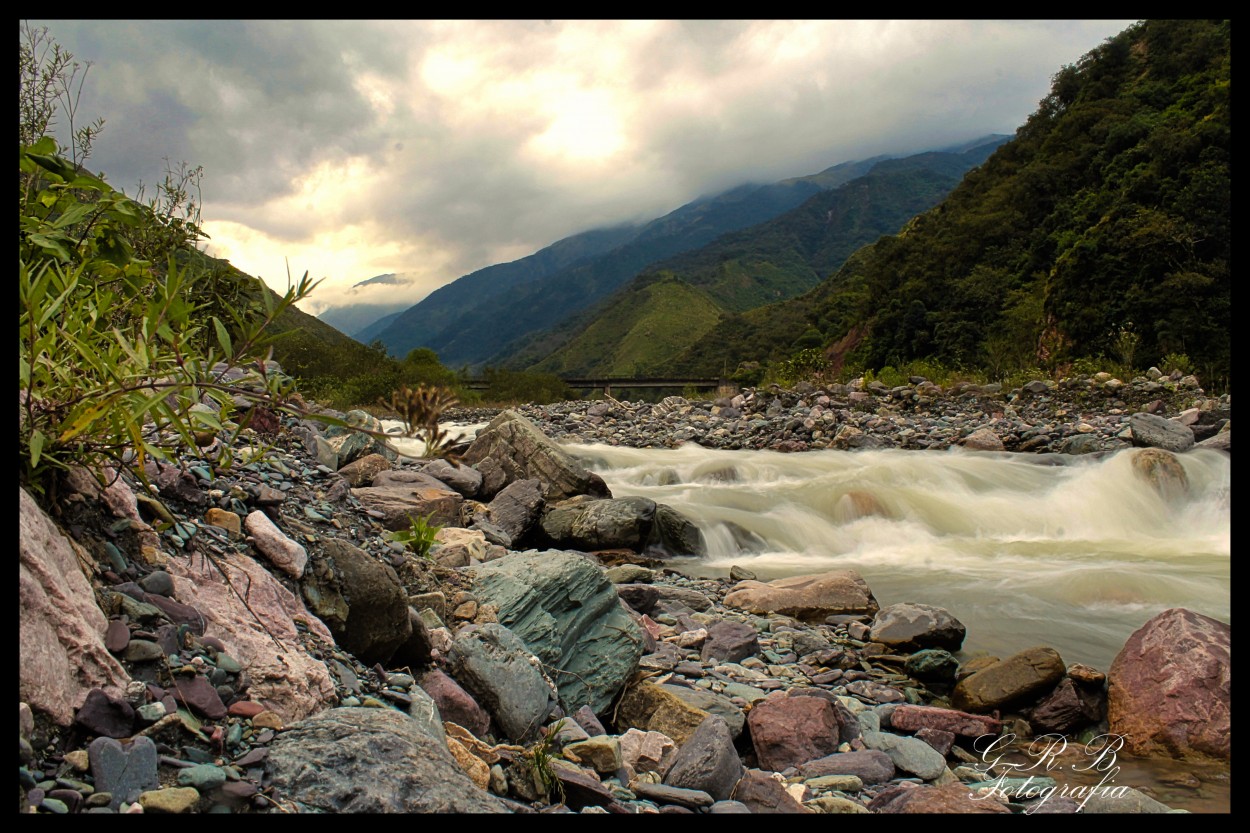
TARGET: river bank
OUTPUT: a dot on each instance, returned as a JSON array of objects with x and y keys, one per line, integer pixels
[{"x": 260, "y": 636}]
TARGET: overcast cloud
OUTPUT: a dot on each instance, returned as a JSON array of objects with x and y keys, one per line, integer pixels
[{"x": 431, "y": 149}]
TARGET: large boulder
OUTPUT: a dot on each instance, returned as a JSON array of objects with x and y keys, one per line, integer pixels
[
  {"x": 674, "y": 534},
  {"x": 259, "y": 629},
  {"x": 1153, "y": 431},
  {"x": 1169, "y": 690},
  {"x": 371, "y": 761},
  {"x": 911, "y": 626},
  {"x": 790, "y": 731},
  {"x": 601, "y": 524},
  {"x": 806, "y": 597},
  {"x": 516, "y": 508},
  {"x": 1014, "y": 680},
  {"x": 1162, "y": 471},
  {"x": 62, "y": 653},
  {"x": 494, "y": 665},
  {"x": 360, "y": 599},
  {"x": 566, "y": 610},
  {"x": 513, "y": 448},
  {"x": 651, "y": 708},
  {"x": 707, "y": 761},
  {"x": 463, "y": 479}
]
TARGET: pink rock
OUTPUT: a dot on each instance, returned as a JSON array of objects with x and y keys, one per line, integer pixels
[
  {"x": 284, "y": 678},
  {"x": 647, "y": 751},
  {"x": 62, "y": 653},
  {"x": 912, "y": 718},
  {"x": 287, "y": 555},
  {"x": 245, "y": 708},
  {"x": 1169, "y": 690},
  {"x": 791, "y": 731},
  {"x": 952, "y": 798},
  {"x": 807, "y": 596}
]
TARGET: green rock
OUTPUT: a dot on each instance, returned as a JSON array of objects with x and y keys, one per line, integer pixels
[
  {"x": 564, "y": 608},
  {"x": 203, "y": 777},
  {"x": 228, "y": 664}
]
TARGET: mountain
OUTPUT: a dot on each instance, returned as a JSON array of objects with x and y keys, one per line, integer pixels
[
  {"x": 352, "y": 319},
  {"x": 474, "y": 319},
  {"x": 1102, "y": 228},
  {"x": 741, "y": 270}
]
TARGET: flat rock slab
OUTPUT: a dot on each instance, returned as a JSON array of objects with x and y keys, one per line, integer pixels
[
  {"x": 808, "y": 597},
  {"x": 911, "y": 718},
  {"x": 123, "y": 770},
  {"x": 1027, "y": 674},
  {"x": 951, "y": 798},
  {"x": 1156, "y": 432},
  {"x": 870, "y": 766},
  {"x": 664, "y": 794},
  {"x": 398, "y": 505}
]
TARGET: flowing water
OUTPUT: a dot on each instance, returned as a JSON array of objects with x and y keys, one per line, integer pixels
[{"x": 1071, "y": 552}]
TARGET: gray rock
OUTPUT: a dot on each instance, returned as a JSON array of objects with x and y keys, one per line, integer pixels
[
  {"x": 375, "y": 622},
  {"x": 1156, "y": 432},
  {"x": 351, "y": 760},
  {"x": 730, "y": 641},
  {"x": 564, "y": 608},
  {"x": 123, "y": 771},
  {"x": 908, "y": 754},
  {"x": 1123, "y": 800},
  {"x": 1220, "y": 442},
  {"x": 911, "y": 626},
  {"x": 707, "y": 761},
  {"x": 520, "y": 451},
  {"x": 666, "y": 794},
  {"x": 493, "y": 664},
  {"x": 516, "y": 507},
  {"x": 711, "y": 703},
  {"x": 398, "y": 504},
  {"x": 465, "y": 480},
  {"x": 601, "y": 524},
  {"x": 870, "y": 766},
  {"x": 674, "y": 534}
]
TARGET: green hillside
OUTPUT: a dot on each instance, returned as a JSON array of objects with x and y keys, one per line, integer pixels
[
  {"x": 648, "y": 324},
  {"x": 1103, "y": 225}
]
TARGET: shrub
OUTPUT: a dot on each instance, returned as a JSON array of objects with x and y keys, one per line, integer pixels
[{"x": 1176, "y": 361}]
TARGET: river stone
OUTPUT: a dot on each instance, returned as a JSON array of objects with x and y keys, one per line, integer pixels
[
  {"x": 456, "y": 547},
  {"x": 123, "y": 771},
  {"x": 362, "y": 471},
  {"x": 1020, "y": 676},
  {"x": 274, "y": 544},
  {"x": 870, "y": 766},
  {"x": 641, "y": 597},
  {"x": 493, "y": 663},
  {"x": 730, "y": 641},
  {"x": 687, "y": 596},
  {"x": 1220, "y": 442},
  {"x": 398, "y": 505},
  {"x": 791, "y": 731},
  {"x": 467, "y": 481},
  {"x": 360, "y": 599},
  {"x": 857, "y": 504},
  {"x": 932, "y": 664},
  {"x": 647, "y": 751},
  {"x": 711, "y": 703},
  {"x": 170, "y": 800},
  {"x": 517, "y": 507},
  {"x": 983, "y": 439},
  {"x": 1154, "y": 431},
  {"x": 1163, "y": 471},
  {"x": 601, "y": 524},
  {"x": 353, "y": 760},
  {"x": 1121, "y": 799},
  {"x": 809, "y": 597},
  {"x": 762, "y": 793},
  {"x": 1169, "y": 689},
  {"x": 1066, "y": 709},
  {"x": 675, "y": 534},
  {"x": 564, "y": 608},
  {"x": 455, "y": 705},
  {"x": 951, "y": 798},
  {"x": 908, "y": 754},
  {"x": 601, "y": 753},
  {"x": 650, "y": 708},
  {"x": 909, "y": 626},
  {"x": 105, "y": 714},
  {"x": 666, "y": 794},
  {"x": 521, "y": 451},
  {"x": 911, "y": 718},
  {"x": 707, "y": 761}
]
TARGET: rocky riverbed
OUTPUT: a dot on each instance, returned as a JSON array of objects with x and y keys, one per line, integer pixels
[{"x": 252, "y": 637}]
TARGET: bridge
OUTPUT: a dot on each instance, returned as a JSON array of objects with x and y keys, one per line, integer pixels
[{"x": 627, "y": 383}]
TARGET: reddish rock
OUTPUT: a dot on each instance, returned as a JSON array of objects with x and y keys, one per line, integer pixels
[
  {"x": 762, "y": 793},
  {"x": 1013, "y": 680},
  {"x": 1169, "y": 690},
  {"x": 361, "y": 472},
  {"x": 913, "y": 718},
  {"x": 244, "y": 708},
  {"x": 105, "y": 715},
  {"x": 62, "y": 649},
  {"x": 952, "y": 798},
  {"x": 939, "y": 739},
  {"x": 117, "y": 637},
  {"x": 1086, "y": 676},
  {"x": 455, "y": 705},
  {"x": 730, "y": 641},
  {"x": 198, "y": 694},
  {"x": 790, "y": 731},
  {"x": 1068, "y": 708},
  {"x": 806, "y": 597},
  {"x": 869, "y": 765}
]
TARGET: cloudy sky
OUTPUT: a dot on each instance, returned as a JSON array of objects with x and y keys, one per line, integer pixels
[{"x": 434, "y": 148}]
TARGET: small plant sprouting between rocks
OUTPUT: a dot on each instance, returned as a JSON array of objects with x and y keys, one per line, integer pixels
[
  {"x": 538, "y": 759},
  {"x": 420, "y": 410},
  {"x": 419, "y": 536}
]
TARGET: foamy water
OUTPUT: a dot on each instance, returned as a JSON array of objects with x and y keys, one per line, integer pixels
[{"x": 1075, "y": 556}]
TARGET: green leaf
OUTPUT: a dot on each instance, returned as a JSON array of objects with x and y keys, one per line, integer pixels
[
  {"x": 84, "y": 420},
  {"x": 73, "y": 215},
  {"x": 37, "y": 439},
  {"x": 223, "y": 337}
]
